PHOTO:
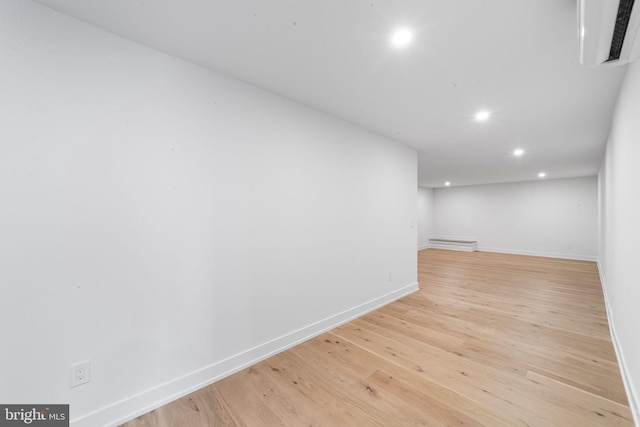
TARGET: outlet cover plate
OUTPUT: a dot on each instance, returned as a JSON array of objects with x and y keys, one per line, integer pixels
[{"x": 80, "y": 373}]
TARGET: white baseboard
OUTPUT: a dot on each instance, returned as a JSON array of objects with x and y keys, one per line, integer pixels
[
  {"x": 141, "y": 403},
  {"x": 423, "y": 247},
  {"x": 576, "y": 257},
  {"x": 632, "y": 394}
]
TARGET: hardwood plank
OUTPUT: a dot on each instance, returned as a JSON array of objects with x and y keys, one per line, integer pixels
[
  {"x": 495, "y": 387},
  {"x": 490, "y": 339},
  {"x": 204, "y": 408}
]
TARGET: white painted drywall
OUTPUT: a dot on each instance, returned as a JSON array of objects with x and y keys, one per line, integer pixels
[
  {"x": 556, "y": 218},
  {"x": 425, "y": 216},
  {"x": 171, "y": 224},
  {"x": 620, "y": 231}
]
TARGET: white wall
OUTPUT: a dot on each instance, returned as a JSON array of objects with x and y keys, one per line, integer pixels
[
  {"x": 425, "y": 216},
  {"x": 556, "y": 218},
  {"x": 620, "y": 232},
  {"x": 173, "y": 225}
]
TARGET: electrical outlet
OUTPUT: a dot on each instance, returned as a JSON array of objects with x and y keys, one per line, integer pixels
[
  {"x": 390, "y": 276},
  {"x": 80, "y": 373}
]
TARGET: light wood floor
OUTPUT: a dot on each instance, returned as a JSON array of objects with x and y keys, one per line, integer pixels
[{"x": 490, "y": 339}]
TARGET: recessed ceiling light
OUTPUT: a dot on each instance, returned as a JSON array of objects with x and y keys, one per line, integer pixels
[
  {"x": 542, "y": 175},
  {"x": 401, "y": 37},
  {"x": 518, "y": 152},
  {"x": 447, "y": 183},
  {"x": 483, "y": 115}
]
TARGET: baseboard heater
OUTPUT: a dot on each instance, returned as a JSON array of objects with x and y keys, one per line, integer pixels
[{"x": 454, "y": 245}]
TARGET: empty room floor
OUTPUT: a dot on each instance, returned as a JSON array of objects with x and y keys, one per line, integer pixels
[{"x": 490, "y": 339}]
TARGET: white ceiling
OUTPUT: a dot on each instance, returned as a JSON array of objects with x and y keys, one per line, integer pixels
[{"x": 516, "y": 58}]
